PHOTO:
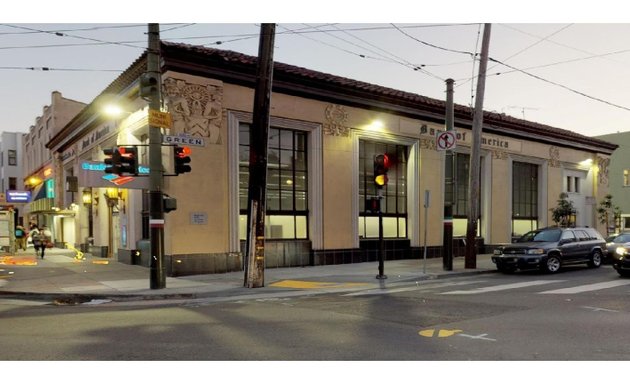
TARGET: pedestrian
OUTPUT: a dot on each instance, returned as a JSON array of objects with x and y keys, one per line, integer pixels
[
  {"x": 46, "y": 239},
  {"x": 37, "y": 239},
  {"x": 20, "y": 237}
]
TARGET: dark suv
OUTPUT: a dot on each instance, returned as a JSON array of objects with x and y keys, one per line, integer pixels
[{"x": 549, "y": 248}]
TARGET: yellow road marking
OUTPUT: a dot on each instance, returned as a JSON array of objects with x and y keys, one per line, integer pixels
[
  {"x": 104, "y": 262},
  {"x": 439, "y": 332},
  {"x": 313, "y": 284}
]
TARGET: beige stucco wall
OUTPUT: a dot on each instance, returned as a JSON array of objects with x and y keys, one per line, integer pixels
[
  {"x": 207, "y": 189},
  {"x": 501, "y": 200}
]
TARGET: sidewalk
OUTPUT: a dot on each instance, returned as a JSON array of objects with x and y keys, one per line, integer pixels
[{"x": 60, "y": 276}]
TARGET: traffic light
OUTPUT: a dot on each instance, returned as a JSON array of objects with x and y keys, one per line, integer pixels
[
  {"x": 128, "y": 160},
  {"x": 112, "y": 160},
  {"x": 381, "y": 166},
  {"x": 148, "y": 85},
  {"x": 181, "y": 158}
]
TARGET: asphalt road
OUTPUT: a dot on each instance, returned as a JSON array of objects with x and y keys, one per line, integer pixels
[{"x": 578, "y": 314}]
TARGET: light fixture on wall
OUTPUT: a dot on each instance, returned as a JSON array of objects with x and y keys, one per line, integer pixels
[
  {"x": 87, "y": 197},
  {"x": 112, "y": 195}
]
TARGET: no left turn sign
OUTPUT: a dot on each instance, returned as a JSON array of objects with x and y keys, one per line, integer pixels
[{"x": 445, "y": 140}]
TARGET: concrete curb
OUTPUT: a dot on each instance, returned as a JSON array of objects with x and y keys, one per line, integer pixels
[{"x": 62, "y": 298}]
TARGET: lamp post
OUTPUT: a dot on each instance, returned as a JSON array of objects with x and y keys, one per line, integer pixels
[
  {"x": 87, "y": 203},
  {"x": 111, "y": 195}
]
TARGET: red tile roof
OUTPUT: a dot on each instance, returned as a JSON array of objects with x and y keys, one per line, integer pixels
[{"x": 285, "y": 73}]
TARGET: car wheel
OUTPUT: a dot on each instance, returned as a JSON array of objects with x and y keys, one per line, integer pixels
[
  {"x": 596, "y": 260},
  {"x": 623, "y": 273},
  {"x": 552, "y": 265}
]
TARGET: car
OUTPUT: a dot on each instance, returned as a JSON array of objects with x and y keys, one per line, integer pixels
[
  {"x": 613, "y": 242},
  {"x": 621, "y": 260},
  {"x": 548, "y": 249}
]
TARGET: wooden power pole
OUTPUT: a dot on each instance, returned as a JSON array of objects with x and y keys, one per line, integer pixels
[
  {"x": 473, "y": 177},
  {"x": 259, "y": 133}
]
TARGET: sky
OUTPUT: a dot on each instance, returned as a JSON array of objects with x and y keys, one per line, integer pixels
[{"x": 567, "y": 70}]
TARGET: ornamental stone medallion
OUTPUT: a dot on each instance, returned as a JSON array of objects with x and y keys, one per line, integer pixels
[
  {"x": 499, "y": 155},
  {"x": 602, "y": 164},
  {"x": 336, "y": 118},
  {"x": 196, "y": 109},
  {"x": 554, "y": 156}
]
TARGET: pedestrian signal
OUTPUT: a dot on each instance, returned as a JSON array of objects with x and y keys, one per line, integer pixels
[{"x": 128, "y": 160}]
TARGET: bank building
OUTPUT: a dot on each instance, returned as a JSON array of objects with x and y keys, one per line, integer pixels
[{"x": 324, "y": 134}]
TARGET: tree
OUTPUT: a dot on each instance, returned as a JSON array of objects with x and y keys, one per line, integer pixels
[
  {"x": 609, "y": 214},
  {"x": 564, "y": 213}
]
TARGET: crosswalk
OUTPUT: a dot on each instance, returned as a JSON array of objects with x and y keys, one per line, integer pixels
[
  {"x": 573, "y": 289},
  {"x": 589, "y": 287},
  {"x": 477, "y": 287},
  {"x": 502, "y": 287}
]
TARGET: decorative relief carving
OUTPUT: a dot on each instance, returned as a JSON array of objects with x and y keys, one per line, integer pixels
[
  {"x": 602, "y": 164},
  {"x": 554, "y": 156},
  {"x": 426, "y": 143},
  {"x": 499, "y": 155},
  {"x": 336, "y": 118},
  {"x": 196, "y": 109}
]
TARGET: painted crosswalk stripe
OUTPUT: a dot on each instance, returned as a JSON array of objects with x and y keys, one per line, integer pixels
[
  {"x": 422, "y": 286},
  {"x": 503, "y": 287},
  {"x": 589, "y": 287}
]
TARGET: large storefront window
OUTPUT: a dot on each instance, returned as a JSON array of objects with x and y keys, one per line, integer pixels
[
  {"x": 524, "y": 198},
  {"x": 394, "y": 202},
  {"x": 457, "y": 195},
  {"x": 287, "y": 183}
]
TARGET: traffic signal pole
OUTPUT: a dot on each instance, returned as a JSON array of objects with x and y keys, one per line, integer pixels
[
  {"x": 156, "y": 180},
  {"x": 381, "y": 166},
  {"x": 447, "y": 243}
]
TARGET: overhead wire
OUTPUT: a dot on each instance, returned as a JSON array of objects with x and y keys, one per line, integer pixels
[
  {"x": 403, "y": 61},
  {"x": 541, "y": 39},
  {"x": 60, "y": 69},
  {"x": 62, "y": 34},
  {"x": 561, "y": 85},
  {"x": 333, "y": 46},
  {"x": 379, "y": 56},
  {"x": 529, "y": 74}
]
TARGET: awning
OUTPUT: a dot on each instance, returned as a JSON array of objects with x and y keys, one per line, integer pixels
[
  {"x": 39, "y": 192},
  {"x": 40, "y": 202}
]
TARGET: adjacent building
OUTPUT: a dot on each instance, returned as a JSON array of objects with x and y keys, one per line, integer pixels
[
  {"x": 51, "y": 197},
  {"x": 619, "y": 179},
  {"x": 12, "y": 196},
  {"x": 325, "y": 132}
]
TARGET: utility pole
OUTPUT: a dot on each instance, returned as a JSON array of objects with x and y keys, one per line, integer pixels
[
  {"x": 156, "y": 178},
  {"x": 259, "y": 133},
  {"x": 447, "y": 243},
  {"x": 473, "y": 177}
]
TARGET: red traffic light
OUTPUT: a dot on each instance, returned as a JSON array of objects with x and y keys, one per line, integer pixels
[
  {"x": 182, "y": 151},
  {"x": 181, "y": 159},
  {"x": 381, "y": 166}
]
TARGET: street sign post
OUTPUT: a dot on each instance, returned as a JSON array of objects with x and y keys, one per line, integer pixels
[{"x": 160, "y": 119}]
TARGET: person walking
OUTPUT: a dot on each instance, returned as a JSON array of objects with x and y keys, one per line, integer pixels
[
  {"x": 20, "y": 237},
  {"x": 46, "y": 239},
  {"x": 37, "y": 239}
]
